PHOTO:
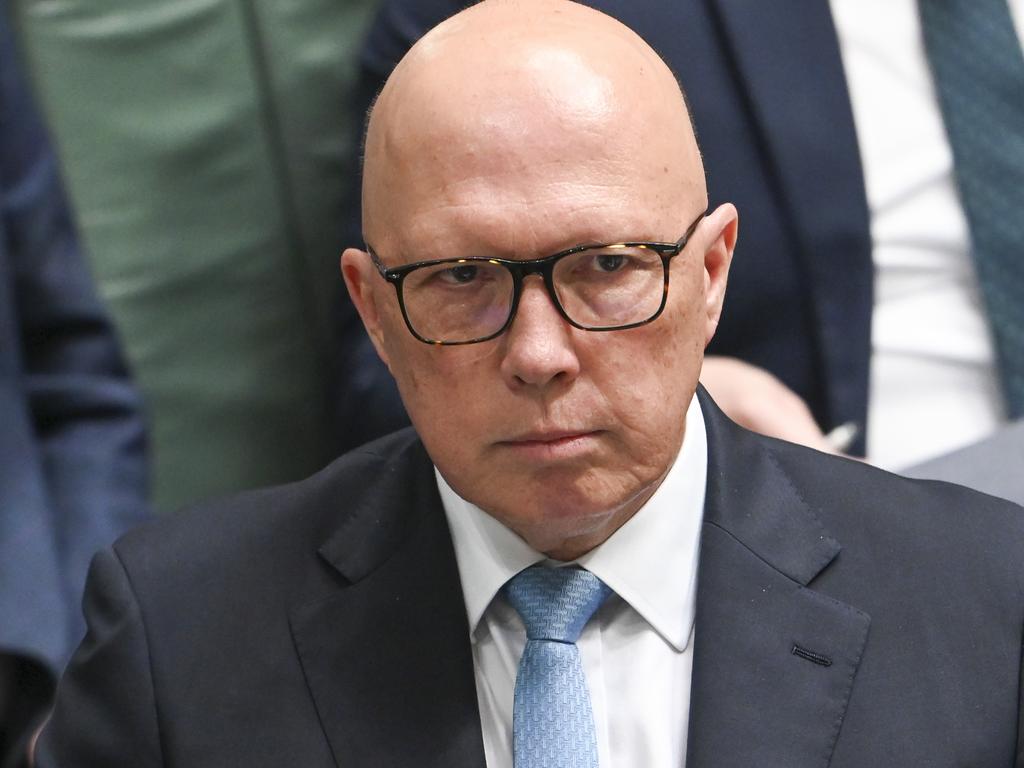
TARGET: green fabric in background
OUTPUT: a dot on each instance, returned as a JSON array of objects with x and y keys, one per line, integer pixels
[{"x": 204, "y": 145}]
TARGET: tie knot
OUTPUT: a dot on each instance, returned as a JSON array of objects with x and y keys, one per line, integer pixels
[{"x": 555, "y": 603}]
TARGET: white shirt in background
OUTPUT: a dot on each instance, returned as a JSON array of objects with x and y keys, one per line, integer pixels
[
  {"x": 934, "y": 384},
  {"x": 636, "y": 650}
]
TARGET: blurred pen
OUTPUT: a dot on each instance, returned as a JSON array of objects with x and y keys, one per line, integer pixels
[{"x": 842, "y": 437}]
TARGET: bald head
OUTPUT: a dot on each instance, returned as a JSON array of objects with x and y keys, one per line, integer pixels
[{"x": 507, "y": 89}]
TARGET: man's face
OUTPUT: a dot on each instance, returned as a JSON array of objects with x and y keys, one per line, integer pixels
[{"x": 559, "y": 433}]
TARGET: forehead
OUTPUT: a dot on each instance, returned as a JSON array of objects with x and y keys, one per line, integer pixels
[
  {"x": 523, "y": 180},
  {"x": 527, "y": 153}
]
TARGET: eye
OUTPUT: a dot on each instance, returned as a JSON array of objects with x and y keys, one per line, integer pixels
[
  {"x": 460, "y": 275},
  {"x": 609, "y": 262}
]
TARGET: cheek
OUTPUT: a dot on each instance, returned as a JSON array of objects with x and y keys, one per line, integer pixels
[
  {"x": 453, "y": 379},
  {"x": 650, "y": 410},
  {"x": 650, "y": 398},
  {"x": 449, "y": 392},
  {"x": 681, "y": 351}
]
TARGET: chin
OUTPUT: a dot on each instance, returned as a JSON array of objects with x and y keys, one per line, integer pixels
[{"x": 556, "y": 518}]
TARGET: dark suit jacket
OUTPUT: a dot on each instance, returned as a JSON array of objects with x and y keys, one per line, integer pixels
[
  {"x": 766, "y": 87},
  {"x": 845, "y": 617},
  {"x": 72, "y": 472}
]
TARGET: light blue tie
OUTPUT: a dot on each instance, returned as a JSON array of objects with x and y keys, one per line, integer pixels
[
  {"x": 552, "y": 722},
  {"x": 979, "y": 75}
]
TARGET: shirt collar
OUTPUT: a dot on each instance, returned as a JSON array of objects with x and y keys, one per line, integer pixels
[{"x": 650, "y": 562}]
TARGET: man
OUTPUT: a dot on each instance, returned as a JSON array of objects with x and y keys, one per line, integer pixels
[
  {"x": 541, "y": 278},
  {"x": 72, "y": 440},
  {"x": 822, "y": 122}
]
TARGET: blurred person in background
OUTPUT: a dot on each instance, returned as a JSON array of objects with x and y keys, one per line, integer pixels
[
  {"x": 72, "y": 442},
  {"x": 203, "y": 150},
  {"x": 876, "y": 150}
]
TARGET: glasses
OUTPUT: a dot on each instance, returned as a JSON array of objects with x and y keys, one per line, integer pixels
[{"x": 594, "y": 287}]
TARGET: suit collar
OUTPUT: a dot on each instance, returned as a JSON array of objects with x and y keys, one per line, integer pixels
[
  {"x": 755, "y": 502},
  {"x": 385, "y": 649},
  {"x": 392, "y": 498},
  {"x": 774, "y": 660}
]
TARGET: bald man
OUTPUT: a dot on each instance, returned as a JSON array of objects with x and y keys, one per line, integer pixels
[{"x": 573, "y": 559}]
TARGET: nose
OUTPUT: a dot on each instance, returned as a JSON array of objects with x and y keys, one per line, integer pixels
[{"x": 538, "y": 347}]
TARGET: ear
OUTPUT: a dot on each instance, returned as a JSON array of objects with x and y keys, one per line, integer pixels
[
  {"x": 723, "y": 224},
  {"x": 359, "y": 273}
]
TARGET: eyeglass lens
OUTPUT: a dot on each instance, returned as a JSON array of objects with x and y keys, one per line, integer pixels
[{"x": 597, "y": 288}]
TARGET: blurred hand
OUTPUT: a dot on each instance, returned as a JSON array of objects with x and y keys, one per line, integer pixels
[{"x": 757, "y": 400}]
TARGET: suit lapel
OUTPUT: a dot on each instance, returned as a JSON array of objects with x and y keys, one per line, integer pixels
[
  {"x": 774, "y": 660},
  {"x": 386, "y": 652},
  {"x": 788, "y": 61}
]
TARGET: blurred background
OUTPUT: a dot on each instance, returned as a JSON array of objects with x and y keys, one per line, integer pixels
[{"x": 205, "y": 149}]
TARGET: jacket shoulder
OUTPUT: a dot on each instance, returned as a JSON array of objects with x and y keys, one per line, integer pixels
[
  {"x": 255, "y": 534},
  {"x": 890, "y": 523}
]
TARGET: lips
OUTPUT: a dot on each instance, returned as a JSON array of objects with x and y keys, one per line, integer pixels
[
  {"x": 551, "y": 445},
  {"x": 550, "y": 436}
]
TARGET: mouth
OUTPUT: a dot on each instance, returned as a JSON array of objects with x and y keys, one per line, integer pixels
[{"x": 551, "y": 445}]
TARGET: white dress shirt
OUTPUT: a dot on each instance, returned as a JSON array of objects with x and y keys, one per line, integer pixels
[
  {"x": 636, "y": 650},
  {"x": 934, "y": 384}
]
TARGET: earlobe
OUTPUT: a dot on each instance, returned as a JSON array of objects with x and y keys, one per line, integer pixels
[
  {"x": 724, "y": 225},
  {"x": 358, "y": 272}
]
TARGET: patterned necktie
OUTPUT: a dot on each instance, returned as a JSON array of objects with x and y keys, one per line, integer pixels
[
  {"x": 552, "y": 722},
  {"x": 978, "y": 68}
]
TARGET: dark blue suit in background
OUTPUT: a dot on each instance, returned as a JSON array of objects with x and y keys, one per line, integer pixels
[
  {"x": 72, "y": 448},
  {"x": 768, "y": 94}
]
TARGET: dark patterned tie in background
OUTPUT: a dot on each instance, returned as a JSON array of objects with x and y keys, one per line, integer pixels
[
  {"x": 978, "y": 68},
  {"x": 552, "y": 720}
]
